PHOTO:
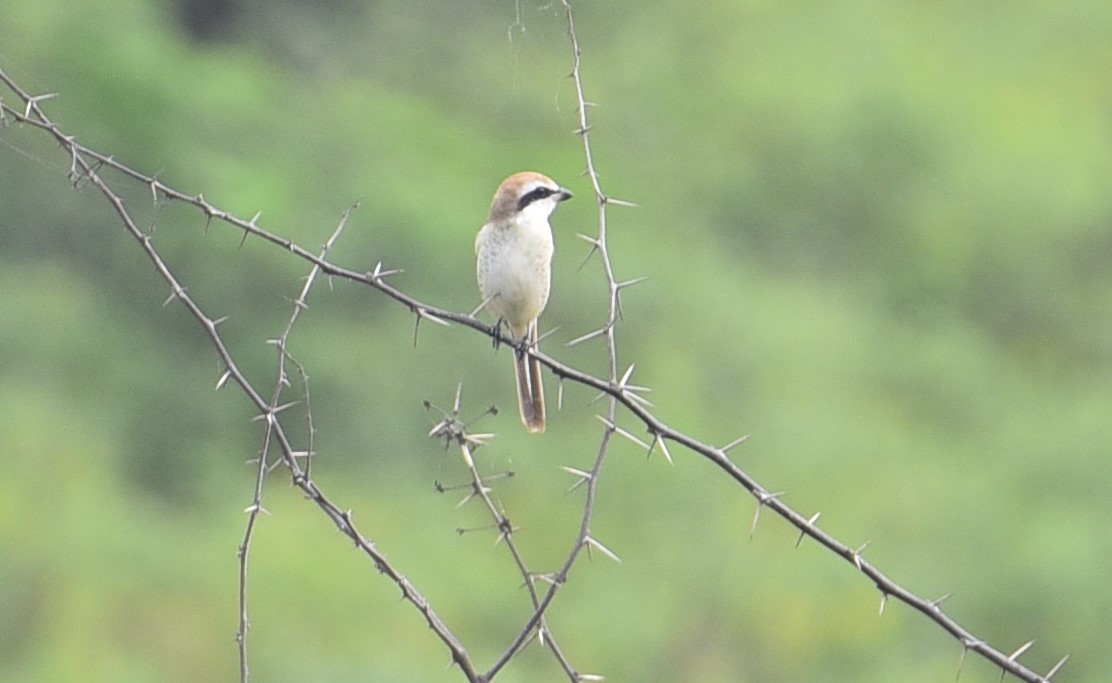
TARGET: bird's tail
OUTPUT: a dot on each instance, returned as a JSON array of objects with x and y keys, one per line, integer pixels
[{"x": 530, "y": 390}]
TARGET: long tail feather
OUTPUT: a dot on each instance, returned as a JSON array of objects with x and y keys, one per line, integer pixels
[{"x": 530, "y": 389}]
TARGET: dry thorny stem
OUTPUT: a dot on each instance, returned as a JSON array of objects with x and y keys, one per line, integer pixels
[
  {"x": 86, "y": 167},
  {"x": 455, "y": 432},
  {"x": 262, "y": 466}
]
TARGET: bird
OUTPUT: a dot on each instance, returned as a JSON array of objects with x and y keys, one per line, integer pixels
[{"x": 513, "y": 254}]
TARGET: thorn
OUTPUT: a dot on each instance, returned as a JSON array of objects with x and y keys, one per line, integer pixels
[
  {"x": 590, "y": 335},
  {"x": 1023, "y": 648},
  {"x": 883, "y": 602},
  {"x": 620, "y": 202},
  {"x": 1059, "y": 665},
  {"x": 618, "y": 301},
  {"x": 478, "y": 439},
  {"x": 762, "y": 500},
  {"x": 466, "y": 530},
  {"x": 628, "y": 392},
  {"x": 271, "y": 412},
  {"x": 437, "y": 427},
  {"x": 736, "y": 442},
  {"x": 378, "y": 273},
  {"x": 625, "y": 377},
  {"x": 857, "y": 555},
  {"x": 623, "y": 432},
  {"x": 584, "y": 477},
  {"x": 465, "y": 501},
  {"x": 560, "y": 395},
  {"x": 456, "y": 400},
  {"x": 483, "y": 305},
  {"x": 592, "y": 543},
  {"x": 803, "y": 532},
  {"x": 284, "y": 406},
  {"x": 596, "y": 245},
  {"x": 429, "y": 316},
  {"x": 547, "y": 577},
  {"x": 543, "y": 337},
  {"x": 630, "y": 283},
  {"x": 577, "y": 472},
  {"x": 658, "y": 439},
  {"x": 444, "y": 488},
  {"x": 223, "y": 379},
  {"x": 33, "y": 103},
  {"x": 935, "y": 603},
  {"x": 606, "y": 422},
  {"x": 175, "y": 294},
  {"x": 465, "y": 451}
]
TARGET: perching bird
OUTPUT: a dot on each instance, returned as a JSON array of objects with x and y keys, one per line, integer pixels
[{"x": 514, "y": 254}]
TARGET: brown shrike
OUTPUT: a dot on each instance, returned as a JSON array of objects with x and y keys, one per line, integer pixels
[{"x": 514, "y": 254}]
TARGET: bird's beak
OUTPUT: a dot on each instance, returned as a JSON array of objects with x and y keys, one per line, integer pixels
[{"x": 564, "y": 194}]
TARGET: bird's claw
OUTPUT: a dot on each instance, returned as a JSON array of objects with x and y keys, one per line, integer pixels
[{"x": 495, "y": 334}]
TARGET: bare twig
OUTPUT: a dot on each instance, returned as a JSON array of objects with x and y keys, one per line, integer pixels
[
  {"x": 454, "y": 431},
  {"x": 280, "y": 384}
]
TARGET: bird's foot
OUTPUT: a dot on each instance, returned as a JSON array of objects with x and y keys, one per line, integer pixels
[{"x": 495, "y": 334}]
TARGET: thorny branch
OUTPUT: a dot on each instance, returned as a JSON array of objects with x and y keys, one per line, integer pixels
[
  {"x": 262, "y": 466},
  {"x": 84, "y": 171},
  {"x": 454, "y": 431},
  {"x": 85, "y": 167}
]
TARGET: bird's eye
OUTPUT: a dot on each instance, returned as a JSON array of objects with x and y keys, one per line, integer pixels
[{"x": 533, "y": 195}]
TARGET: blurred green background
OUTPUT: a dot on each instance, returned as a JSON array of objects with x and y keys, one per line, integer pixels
[{"x": 878, "y": 237}]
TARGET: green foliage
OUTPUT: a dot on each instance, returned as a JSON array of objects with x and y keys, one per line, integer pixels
[{"x": 877, "y": 237}]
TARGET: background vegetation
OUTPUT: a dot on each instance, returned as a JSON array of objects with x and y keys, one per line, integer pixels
[{"x": 878, "y": 237}]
